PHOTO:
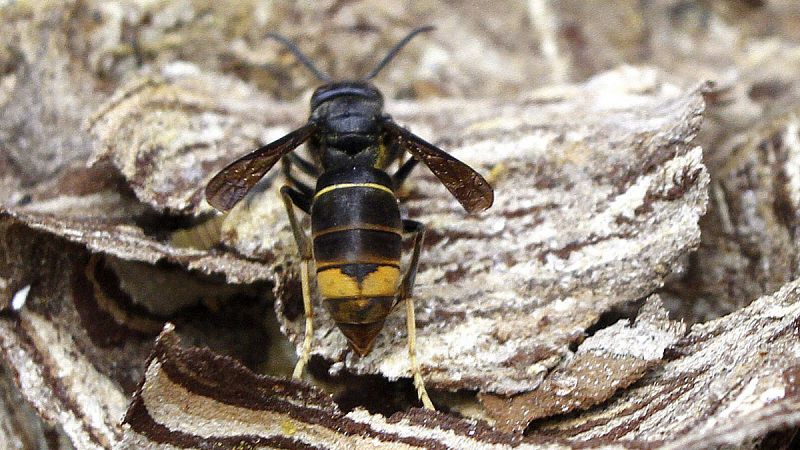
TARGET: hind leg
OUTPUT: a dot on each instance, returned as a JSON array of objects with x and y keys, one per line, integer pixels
[
  {"x": 405, "y": 294},
  {"x": 290, "y": 198}
]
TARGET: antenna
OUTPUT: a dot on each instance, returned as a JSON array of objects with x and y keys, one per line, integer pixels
[
  {"x": 396, "y": 49},
  {"x": 302, "y": 57}
]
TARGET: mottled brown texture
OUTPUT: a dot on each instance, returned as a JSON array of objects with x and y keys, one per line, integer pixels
[
  {"x": 605, "y": 363},
  {"x": 166, "y": 135},
  {"x": 612, "y": 150},
  {"x": 78, "y": 343},
  {"x": 21, "y": 428},
  {"x": 749, "y": 49},
  {"x": 691, "y": 403},
  {"x": 750, "y": 245},
  {"x": 183, "y": 387},
  {"x": 633, "y": 176},
  {"x": 47, "y": 91},
  {"x": 166, "y": 92},
  {"x": 128, "y": 242},
  {"x": 679, "y": 405}
]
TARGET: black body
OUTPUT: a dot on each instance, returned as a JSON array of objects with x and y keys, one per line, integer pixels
[{"x": 356, "y": 224}]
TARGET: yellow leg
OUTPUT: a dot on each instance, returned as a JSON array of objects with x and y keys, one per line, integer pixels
[
  {"x": 412, "y": 355},
  {"x": 497, "y": 172},
  {"x": 309, "y": 314},
  {"x": 304, "y": 247}
]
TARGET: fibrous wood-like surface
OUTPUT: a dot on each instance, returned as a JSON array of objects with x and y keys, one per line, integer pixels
[
  {"x": 715, "y": 389},
  {"x": 636, "y": 183},
  {"x": 591, "y": 182},
  {"x": 134, "y": 317}
]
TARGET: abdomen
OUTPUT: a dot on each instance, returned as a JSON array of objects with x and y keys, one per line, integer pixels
[{"x": 356, "y": 229}]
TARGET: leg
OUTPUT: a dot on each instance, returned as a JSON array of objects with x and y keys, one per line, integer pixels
[
  {"x": 308, "y": 308},
  {"x": 403, "y": 172},
  {"x": 300, "y": 199},
  {"x": 407, "y": 283},
  {"x": 405, "y": 290},
  {"x": 304, "y": 247},
  {"x": 305, "y": 166},
  {"x": 496, "y": 173},
  {"x": 304, "y": 189}
]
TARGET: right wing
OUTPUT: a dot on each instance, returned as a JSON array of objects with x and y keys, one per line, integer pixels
[
  {"x": 233, "y": 182},
  {"x": 466, "y": 185}
]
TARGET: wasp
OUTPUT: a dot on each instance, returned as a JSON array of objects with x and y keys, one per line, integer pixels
[{"x": 356, "y": 225}]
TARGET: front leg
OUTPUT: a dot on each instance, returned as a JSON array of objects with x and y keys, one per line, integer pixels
[
  {"x": 290, "y": 197},
  {"x": 299, "y": 187},
  {"x": 405, "y": 294}
]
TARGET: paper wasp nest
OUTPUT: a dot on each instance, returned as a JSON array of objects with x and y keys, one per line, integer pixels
[{"x": 134, "y": 317}]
